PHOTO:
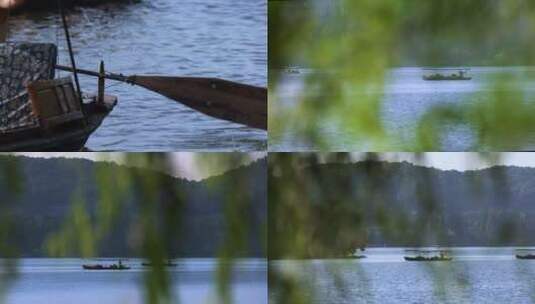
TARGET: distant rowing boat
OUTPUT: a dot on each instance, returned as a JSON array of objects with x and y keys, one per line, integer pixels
[
  {"x": 437, "y": 74},
  {"x": 525, "y": 254},
  {"x": 103, "y": 267},
  {"x": 427, "y": 259},
  {"x": 429, "y": 256},
  {"x": 118, "y": 266}
]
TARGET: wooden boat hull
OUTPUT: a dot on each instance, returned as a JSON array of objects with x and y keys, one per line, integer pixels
[
  {"x": 102, "y": 267},
  {"x": 67, "y": 138},
  {"x": 445, "y": 78},
  {"x": 424, "y": 259}
]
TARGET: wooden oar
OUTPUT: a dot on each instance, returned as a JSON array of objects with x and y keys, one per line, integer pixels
[{"x": 232, "y": 101}]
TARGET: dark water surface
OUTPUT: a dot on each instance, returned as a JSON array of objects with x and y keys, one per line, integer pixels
[
  {"x": 475, "y": 275},
  {"x": 405, "y": 97},
  {"x": 208, "y": 38},
  {"x": 63, "y": 281}
]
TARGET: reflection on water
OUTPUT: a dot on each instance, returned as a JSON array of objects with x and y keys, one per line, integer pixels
[
  {"x": 476, "y": 275},
  {"x": 214, "y": 38},
  {"x": 63, "y": 281},
  {"x": 405, "y": 98}
]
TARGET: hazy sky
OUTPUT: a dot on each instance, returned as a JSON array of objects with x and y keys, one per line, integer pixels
[
  {"x": 460, "y": 161},
  {"x": 186, "y": 165}
]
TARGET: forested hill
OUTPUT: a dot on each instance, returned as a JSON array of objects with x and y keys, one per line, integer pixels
[
  {"x": 401, "y": 204},
  {"x": 49, "y": 188}
]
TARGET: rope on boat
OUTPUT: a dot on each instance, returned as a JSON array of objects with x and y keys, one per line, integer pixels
[{"x": 71, "y": 54}]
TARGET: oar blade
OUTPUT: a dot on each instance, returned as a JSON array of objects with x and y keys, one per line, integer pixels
[{"x": 231, "y": 101}]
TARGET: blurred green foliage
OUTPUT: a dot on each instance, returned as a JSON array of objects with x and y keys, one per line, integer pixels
[
  {"x": 12, "y": 185},
  {"x": 158, "y": 214},
  {"x": 351, "y": 45},
  {"x": 318, "y": 212}
]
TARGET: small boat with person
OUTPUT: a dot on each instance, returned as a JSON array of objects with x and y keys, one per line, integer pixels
[
  {"x": 438, "y": 74},
  {"x": 428, "y": 256},
  {"x": 525, "y": 254},
  {"x": 118, "y": 266}
]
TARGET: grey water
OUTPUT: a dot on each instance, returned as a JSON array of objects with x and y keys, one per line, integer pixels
[
  {"x": 475, "y": 275},
  {"x": 204, "y": 38},
  {"x": 405, "y": 98},
  {"x": 63, "y": 281}
]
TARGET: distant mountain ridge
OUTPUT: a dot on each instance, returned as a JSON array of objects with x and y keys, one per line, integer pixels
[
  {"x": 488, "y": 207},
  {"x": 50, "y": 185}
]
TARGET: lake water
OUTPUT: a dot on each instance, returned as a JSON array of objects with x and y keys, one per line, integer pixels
[
  {"x": 205, "y": 38},
  {"x": 405, "y": 97},
  {"x": 63, "y": 281},
  {"x": 475, "y": 275}
]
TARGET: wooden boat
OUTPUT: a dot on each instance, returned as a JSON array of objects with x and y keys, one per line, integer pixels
[
  {"x": 438, "y": 74},
  {"x": 429, "y": 256},
  {"x": 427, "y": 259},
  {"x": 119, "y": 266},
  {"x": 228, "y": 100},
  {"x": 525, "y": 254},
  {"x": 38, "y": 112},
  {"x": 67, "y": 136},
  {"x": 105, "y": 267}
]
